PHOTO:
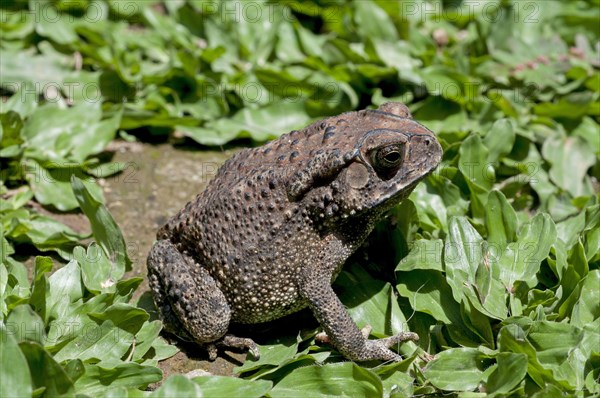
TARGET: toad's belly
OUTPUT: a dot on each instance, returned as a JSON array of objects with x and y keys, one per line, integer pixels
[{"x": 257, "y": 305}]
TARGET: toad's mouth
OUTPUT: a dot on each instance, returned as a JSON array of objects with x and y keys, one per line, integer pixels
[{"x": 397, "y": 191}]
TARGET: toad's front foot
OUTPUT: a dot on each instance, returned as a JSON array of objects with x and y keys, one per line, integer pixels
[
  {"x": 379, "y": 349},
  {"x": 375, "y": 349}
]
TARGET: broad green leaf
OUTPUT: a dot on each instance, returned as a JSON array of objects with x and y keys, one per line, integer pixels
[
  {"x": 46, "y": 373},
  {"x": 161, "y": 350},
  {"x": 145, "y": 337},
  {"x": 10, "y": 133},
  {"x": 96, "y": 269},
  {"x": 37, "y": 300},
  {"x": 14, "y": 370},
  {"x": 329, "y": 380},
  {"x": 499, "y": 140},
  {"x": 74, "y": 369},
  {"x": 456, "y": 369},
  {"x": 511, "y": 370},
  {"x": 373, "y": 22},
  {"x": 259, "y": 124},
  {"x": 521, "y": 259},
  {"x": 570, "y": 229},
  {"x": 570, "y": 158},
  {"x": 501, "y": 222},
  {"x": 178, "y": 386},
  {"x": 512, "y": 338},
  {"x": 42, "y": 71},
  {"x": 588, "y": 129},
  {"x": 468, "y": 270},
  {"x": 64, "y": 291},
  {"x": 124, "y": 316},
  {"x": 276, "y": 354},
  {"x": 463, "y": 254},
  {"x": 123, "y": 374},
  {"x": 106, "y": 232},
  {"x": 53, "y": 25},
  {"x": 66, "y": 135},
  {"x": 473, "y": 163},
  {"x": 587, "y": 308},
  {"x": 288, "y": 46},
  {"x": 429, "y": 292},
  {"x": 425, "y": 254},
  {"x": 46, "y": 234},
  {"x": 395, "y": 378},
  {"x": 26, "y": 325},
  {"x": 370, "y": 301},
  {"x": 51, "y": 185},
  {"x": 563, "y": 348},
  {"x": 230, "y": 386},
  {"x": 76, "y": 323},
  {"x": 97, "y": 342}
]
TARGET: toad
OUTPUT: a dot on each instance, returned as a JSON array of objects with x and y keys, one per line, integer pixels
[{"x": 273, "y": 229}]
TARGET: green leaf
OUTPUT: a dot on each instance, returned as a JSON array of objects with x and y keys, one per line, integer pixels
[
  {"x": 106, "y": 231},
  {"x": 588, "y": 130},
  {"x": 469, "y": 272},
  {"x": 473, "y": 163},
  {"x": 97, "y": 342},
  {"x": 329, "y": 380},
  {"x": 43, "y": 265},
  {"x": 456, "y": 369},
  {"x": 28, "y": 66},
  {"x": 124, "y": 316},
  {"x": 232, "y": 386},
  {"x": 511, "y": 370},
  {"x": 499, "y": 140},
  {"x": 64, "y": 291},
  {"x": 145, "y": 339},
  {"x": 512, "y": 338},
  {"x": 373, "y": 22},
  {"x": 96, "y": 269},
  {"x": 501, "y": 222},
  {"x": 370, "y": 301},
  {"x": 68, "y": 134},
  {"x": 281, "y": 352},
  {"x": 46, "y": 373},
  {"x": 521, "y": 259},
  {"x": 123, "y": 374},
  {"x": 178, "y": 386},
  {"x": 260, "y": 124},
  {"x": 53, "y": 25},
  {"x": 50, "y": 182},
  {"x": 26, "y": 325},
  {"x": 14, "y": 370},
  {"x": 587, "y": 308},
  {"x": 425, "y": 254},
  {"x": 429, "y": 292},
  {"x": 46, "y": 234},
  {"x": 570, "y": 158}
]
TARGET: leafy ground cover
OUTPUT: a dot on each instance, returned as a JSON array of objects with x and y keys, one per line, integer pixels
[{"x": 495, "y": 257}]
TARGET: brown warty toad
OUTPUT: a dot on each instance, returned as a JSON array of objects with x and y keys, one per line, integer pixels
[{"x": 273, "y": 229}]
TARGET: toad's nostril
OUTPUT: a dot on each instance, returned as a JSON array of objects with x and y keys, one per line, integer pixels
[{"x": 427, "y": 141}]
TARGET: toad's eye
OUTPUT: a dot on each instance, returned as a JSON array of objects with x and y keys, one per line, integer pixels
[{"x": 387, "y": 160}]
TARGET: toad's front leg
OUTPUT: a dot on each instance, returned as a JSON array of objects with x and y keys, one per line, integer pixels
[{"x": 339, "y": 326}]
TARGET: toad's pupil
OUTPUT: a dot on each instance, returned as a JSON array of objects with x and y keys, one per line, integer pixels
[{"x": 392, "y": 157}]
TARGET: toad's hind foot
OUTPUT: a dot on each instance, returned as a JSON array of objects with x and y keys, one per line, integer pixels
[
  {"x": 241, "y": 343},
  {"x": 230, "y": 341}
]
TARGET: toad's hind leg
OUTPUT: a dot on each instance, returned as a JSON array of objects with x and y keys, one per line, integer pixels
[{"x": 189, "y": 300}]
